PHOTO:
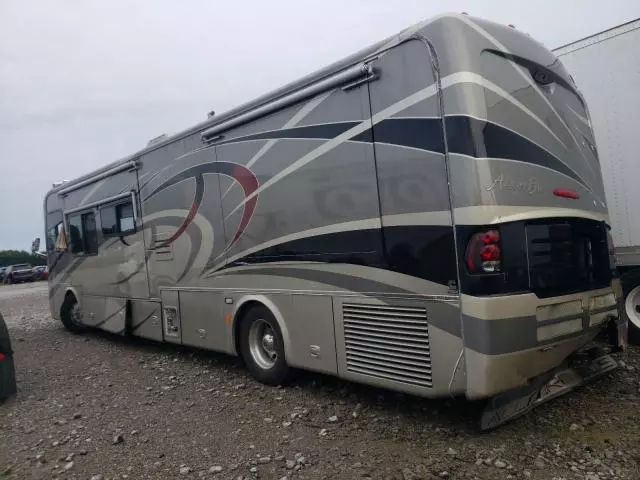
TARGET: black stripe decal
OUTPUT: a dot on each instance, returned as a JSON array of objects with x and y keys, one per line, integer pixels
[
  {"x": 421, "y": 133},
  {"x": 340, "y": 280},
  {"x": 324, "y": 131},
  {"x": 480, "y": 138},
  {"x": 423, "y": 251}
]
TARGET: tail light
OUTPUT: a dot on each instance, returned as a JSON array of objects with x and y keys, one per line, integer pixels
[{"x": 483, "y": 252}]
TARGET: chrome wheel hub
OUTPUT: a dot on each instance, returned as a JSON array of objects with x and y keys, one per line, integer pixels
[
  {"x": 262, "y": 344},
  {"x": 632, "y": 306}
]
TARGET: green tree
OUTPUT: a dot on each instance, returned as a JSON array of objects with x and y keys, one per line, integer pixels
[{"x": 12, "y": 257}]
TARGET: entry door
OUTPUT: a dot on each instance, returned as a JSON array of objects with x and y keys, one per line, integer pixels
[{"x": 412, "y": 178}]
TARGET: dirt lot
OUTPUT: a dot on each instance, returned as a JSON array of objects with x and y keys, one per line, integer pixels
[{"x": 99, "y": 407}]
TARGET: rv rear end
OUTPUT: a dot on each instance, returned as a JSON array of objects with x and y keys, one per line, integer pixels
[
  {"x": 606, "y": 67},
  {"x": 535, "y": 267}
]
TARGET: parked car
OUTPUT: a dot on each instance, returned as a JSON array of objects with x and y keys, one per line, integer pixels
[
  {"x": 41, "y": 272},
  {"x": 22, "y": 272}
]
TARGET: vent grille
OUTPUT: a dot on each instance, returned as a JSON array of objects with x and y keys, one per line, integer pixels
[{"x": 388, "y": 342}]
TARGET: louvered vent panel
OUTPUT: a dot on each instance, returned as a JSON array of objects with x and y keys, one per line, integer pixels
[{"x": 388, "y": 342}]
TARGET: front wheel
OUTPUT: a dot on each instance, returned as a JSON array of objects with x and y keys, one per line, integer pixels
[
  {"x": 262, "y": 347},
  {"x": 71, "y": 315},
  {"x": 631, "y": 306}
]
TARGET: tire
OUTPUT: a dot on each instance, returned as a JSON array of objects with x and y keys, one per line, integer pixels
[
  {"x": 69, "y": 314},
  {"x": 631, "y": 304},
  {"x": 262, "y": 347},
  {"x": 9, "y": 280}
]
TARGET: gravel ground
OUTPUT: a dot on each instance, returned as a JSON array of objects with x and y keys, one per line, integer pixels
[{"x": 97, "y": 407}]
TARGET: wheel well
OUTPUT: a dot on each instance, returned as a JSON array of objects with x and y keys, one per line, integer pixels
[
  {"x": 66, "y": 296},
  {"x": 244, "y": 308}
]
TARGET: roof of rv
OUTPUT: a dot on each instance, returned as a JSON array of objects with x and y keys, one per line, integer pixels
[{"x": 287, "y": 89}]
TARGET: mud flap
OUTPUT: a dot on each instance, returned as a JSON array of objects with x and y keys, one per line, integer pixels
[
  {"x": 7, "y": 371},
  {"x": 514, "y": 403}
]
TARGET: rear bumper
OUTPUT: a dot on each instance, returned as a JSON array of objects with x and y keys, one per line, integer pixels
[
  {"x": 583, "y": 369},
  {"x": 510, "y": 340},
  {"x": 22, "y": 277}
]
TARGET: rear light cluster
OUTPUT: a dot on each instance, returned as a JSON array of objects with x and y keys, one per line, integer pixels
[{"x": 483, "y": 252}]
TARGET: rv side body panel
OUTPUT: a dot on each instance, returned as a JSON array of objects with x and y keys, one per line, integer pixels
[
  {"x": 103, "y": 269},
  {"x": 417, "y": 232},
  {"x": 315, "y": 226}
]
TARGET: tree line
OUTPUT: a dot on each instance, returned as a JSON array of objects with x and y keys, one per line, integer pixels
[{"x": 13, "y": 257}]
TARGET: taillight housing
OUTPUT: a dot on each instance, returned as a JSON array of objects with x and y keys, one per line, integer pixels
[{"x": 483, "y": 253}]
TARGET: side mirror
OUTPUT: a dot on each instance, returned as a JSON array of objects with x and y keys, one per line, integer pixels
[{"x": 35, "y": 245}]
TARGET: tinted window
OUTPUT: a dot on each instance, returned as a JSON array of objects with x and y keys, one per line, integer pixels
[
  {"x": 75, "y": 234},
  {"x": 89, "y": 233},
  {"x": 83, "y": 233},
  {"x": 109, "y": 220},
  {"x": 117, "y": 219}
]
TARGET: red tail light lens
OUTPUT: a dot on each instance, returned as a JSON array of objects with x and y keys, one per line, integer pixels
[
  {"x": 2, "y": 356},
  {"x": 483, "y": 252},
  {"x": 566, "y": 193}
]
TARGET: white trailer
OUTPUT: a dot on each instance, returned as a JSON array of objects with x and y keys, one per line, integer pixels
[{"x": 606, "y": 69}]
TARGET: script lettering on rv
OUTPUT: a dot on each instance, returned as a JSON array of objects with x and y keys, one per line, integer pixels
[{"x": 502, "y": 182}]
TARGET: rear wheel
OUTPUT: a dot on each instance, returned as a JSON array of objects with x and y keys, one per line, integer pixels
[
  {"x": 262, "y": 347},
  {"x": 71, "y": 315},
  {"x": 631, "y": 305}
]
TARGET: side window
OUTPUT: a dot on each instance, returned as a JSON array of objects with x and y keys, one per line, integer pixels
[
  {"x": 53, "y": 235},
  {"x": 54, "y": 229},
  {"x": 109, "y": 220},
  {"x": 75, "y": 234},
  {"x": 83, "y": 233},
  {"x": 89, "y": 233},
  {"x": 125, "y": 217},
  {"x": 117, "y": 219}
]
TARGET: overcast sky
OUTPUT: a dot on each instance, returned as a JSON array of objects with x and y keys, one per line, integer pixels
[{"x": 83, "y": 83}]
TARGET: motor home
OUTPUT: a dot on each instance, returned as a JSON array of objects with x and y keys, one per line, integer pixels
[
  {"x": 423, "y": 216},
  {"x": 606, "y": 67}
]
